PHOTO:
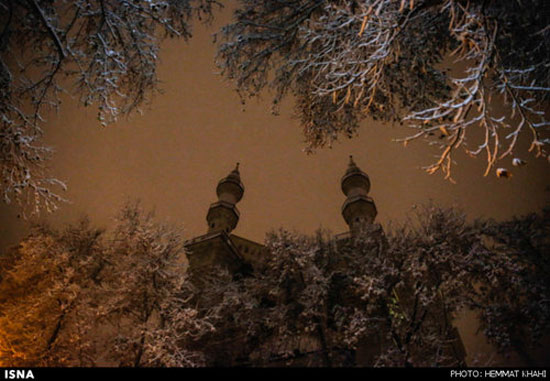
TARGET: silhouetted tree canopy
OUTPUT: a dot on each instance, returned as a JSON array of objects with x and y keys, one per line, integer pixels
[
  {"x": 382, "y": 299},
  {"x": 443, "y": 67},
  {"x": 87, "y": 297}
]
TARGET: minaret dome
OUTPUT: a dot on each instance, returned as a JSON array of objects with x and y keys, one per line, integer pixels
[
  {"x": 223, "y": 215},
  {"x": 355, "y": 180},
  {"x": 231, "y": 188},
  {"x": 358, "y": 208}
]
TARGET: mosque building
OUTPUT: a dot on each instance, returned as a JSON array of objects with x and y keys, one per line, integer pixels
[{"x": 221, "y": 247}]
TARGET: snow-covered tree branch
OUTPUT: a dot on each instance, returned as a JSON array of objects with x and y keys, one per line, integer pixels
[
  {"x": 85, "y": 297},
  {"x": 455, "y": 71},
  {"x": 105, "y": 52}
]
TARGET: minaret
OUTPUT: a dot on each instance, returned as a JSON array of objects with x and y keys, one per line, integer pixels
[
  {"x": 223, "y": 215},
  {"x": 358, "y": 209}
]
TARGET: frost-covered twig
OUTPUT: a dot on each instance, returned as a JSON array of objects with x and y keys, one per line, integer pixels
[
  {"x": 445, "y": 68},
  {"x": 105, "y": 51}
]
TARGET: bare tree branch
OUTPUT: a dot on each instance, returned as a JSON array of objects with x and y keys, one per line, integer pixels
[
  {"x": 438, "y": 66},
  {"x": 104, "y": 51}
]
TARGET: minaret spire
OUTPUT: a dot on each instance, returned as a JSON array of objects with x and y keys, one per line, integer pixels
[
  {"x": 223, "y": 215},
  {"x": 358, "y": 209}
]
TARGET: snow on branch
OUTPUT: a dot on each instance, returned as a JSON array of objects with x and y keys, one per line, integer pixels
[
  {"x": 103, "y": 51},
  {"x": 449, "y": 69}
]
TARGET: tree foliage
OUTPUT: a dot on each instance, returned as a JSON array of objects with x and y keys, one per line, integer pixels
[
  {"x": 86, "y": 297},
  {"x": 104, "y": 51},
  {"x": 380, "y": 299},
  {"x": 442, "y": 66},
  {"x": 45, "y": 294},
  {"x": 517, "y": 285}
]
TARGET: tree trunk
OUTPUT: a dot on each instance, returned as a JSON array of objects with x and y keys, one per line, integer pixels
[
  {"x": 324, "y": 348},
  {"x": 139, "y": 354},
  {"x": 56, "y": 330}
]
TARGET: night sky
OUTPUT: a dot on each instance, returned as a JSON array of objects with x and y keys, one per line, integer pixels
[{"x": 191, "y": 136}]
